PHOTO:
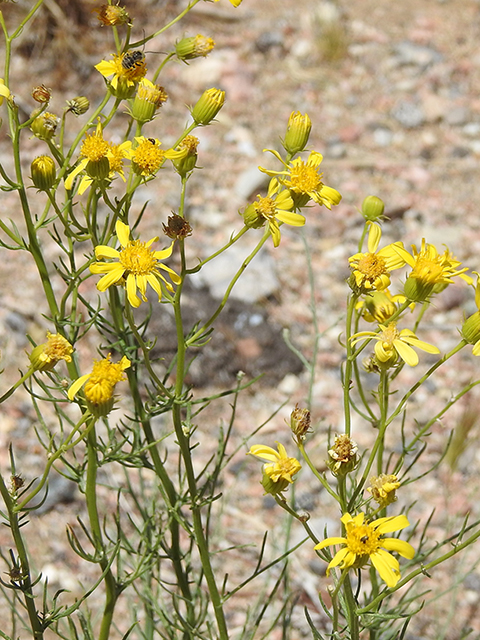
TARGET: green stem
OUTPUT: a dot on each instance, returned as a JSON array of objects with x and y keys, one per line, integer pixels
[
  {"x": 347, "y": 381},
  {"x": 16, "y": 385},
  {"x": 25, "y": 581},
  {"x": 111, "y": 590}
]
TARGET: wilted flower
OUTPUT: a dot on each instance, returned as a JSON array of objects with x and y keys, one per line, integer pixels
[
  {"x": 45, "y": 356},
  {"x": 343, "y": 455},
  {"x": 383, "y": 489},
  {"x": 278, "y": 473}
]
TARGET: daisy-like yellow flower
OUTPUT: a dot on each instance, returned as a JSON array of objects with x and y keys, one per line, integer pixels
[
  {"x": 278, "y": 473},
  {"x": 126, "y": 69},
  {"x": 364, "y": 541},
  {"x": 100, "y": 384},
  {"x": 392, "y": 343},
  {"x": 430, "y": 270},
  {"x": 137, "y": 265},
  {"x": 275, "y": 208},
  {"x": 45, "y": 356},
  {"x": 101, "y": 160},
  {"x": 148, "y": 157},
  {"x": 304, "y": 180},
  {"x": 371, "y": 270}
]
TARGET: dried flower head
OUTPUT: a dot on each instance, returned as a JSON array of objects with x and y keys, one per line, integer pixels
[
  {"x": 41, "y": 94},
  {"x": 112, "y": 15},
  {"x": 177, "y": 227},
  {"x": 300, "y": 422},
  {"x": 343, "y": 455},
  {"x": 45, "y": 356},
  {"x": 383, "y": 488}
]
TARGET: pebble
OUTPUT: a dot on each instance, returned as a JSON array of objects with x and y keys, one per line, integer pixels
[{"x": 409, "y": 114}]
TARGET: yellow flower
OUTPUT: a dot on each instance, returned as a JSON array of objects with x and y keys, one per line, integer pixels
[
  {"x": 429, "y": 270},
  {"x": 45, "y": 356},
  {"x": 127, "y": 68},
  {"x": 371, "y": 270},
  {"x": 383, "y": 489},
  {"x": 364, "y": 541},
  {"x": 100, "y": 384},
  {"x": 147, "y": 157},
  {"x": 101, "y": 160},
  {"x": 305, "y": 180},
  {"x": 274, "y": 208},
  {"x": 471, "y": 326},
  {"x": 4, "y": 91},
  {"x": 137, "y": 266},
  {"x": 279, "y": 471},
  {"x": 392, "y": 343},
  {"x": 379, "y": 306}
]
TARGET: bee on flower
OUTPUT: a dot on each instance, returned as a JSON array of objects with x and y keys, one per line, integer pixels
[
  {"x": 137, "y": 265},
  {"x": 364, "y": 541},
  {"x": 123, "y": 72}
]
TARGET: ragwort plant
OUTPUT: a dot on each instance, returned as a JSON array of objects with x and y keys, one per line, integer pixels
[{"x": 158, "y": 550}]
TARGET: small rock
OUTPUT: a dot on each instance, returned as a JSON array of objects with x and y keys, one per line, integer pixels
[
  {"x": 415, "y": 54},
  {"x": 409, "y": 114}
]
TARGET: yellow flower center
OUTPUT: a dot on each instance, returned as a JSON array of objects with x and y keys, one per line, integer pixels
[
  {"x": 138, "y": 258},
  {"x": 363, "y": 540},
  {"x": 190, "y": 143},
  {"x": 57, "y": 348},
  {"x": 284, "y": 468},
  {"x": 265, "y": 207},
  {"x": 305, "y": 178},
  {"x": 371, "y": 266},
  {"x": 148, "y": 157},
  {"x": 94, "y": 147},
  {"x": 100, "y": 386},
  {"x": 389, "y": 335},
  {"x": 155, "y": 95},
  {"x": 428, "y": 270}
]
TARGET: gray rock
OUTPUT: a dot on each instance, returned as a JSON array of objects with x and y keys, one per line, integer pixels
[
  {"x": 409, "y": 53},
  {"x": 409, "y": 114}
]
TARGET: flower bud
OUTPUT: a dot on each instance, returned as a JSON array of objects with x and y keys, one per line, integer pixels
[
  {"x": 471, "y": 328},
  {"x": 43, "y": 172},
  {"x": 378, "y": 307},
  {"x": 208, "y": 106},
  {"x": 148, "y": 99},
  {"x": 98, "y": 169},
  {"x": 41, "y": 94},
  {"x": 186, "y": 163},
  {"x": 194, "y": 47},
  {"x": 79, "y": 105},
  {"x": 298, "y": 132},
  {"x": 273, "y": 487},
  {"x": 373, "y": 208},
  {"x": 45, "y": 125}
]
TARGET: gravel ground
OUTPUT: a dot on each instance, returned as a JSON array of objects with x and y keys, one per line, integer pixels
[{"x": 392, "y": 90}]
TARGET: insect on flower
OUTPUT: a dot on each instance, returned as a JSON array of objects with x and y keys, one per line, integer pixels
[{"x": 133, "y": 59}]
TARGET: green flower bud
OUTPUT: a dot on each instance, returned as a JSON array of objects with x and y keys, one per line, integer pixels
[
  {"x": 298, "y": 132},
  {"x": 79, "y": 105},
  {"x": 194, "y": 47},
  {"x": 45, "y": 125},
  {"x": 208, "y": 106},
  {"x": 373, "y": 208},
  {"x": 471, "y": 328},
  {"x": 43, "y": 172}
]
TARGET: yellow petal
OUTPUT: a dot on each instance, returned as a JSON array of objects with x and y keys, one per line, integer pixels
[
  {"x": 123, "y": 233},
  {"x": 390, "y": 523},
  {"x": 406, "y": 352},
  {"x": 110, "y": 278},
  {"x": 330, "y": 541},
  {"x": 264, "y": 452},
  {"x": 132, "y": 291},
  {"x": 405, "y": 549},
  {"x": 155, "y": 284},
  {"x": 291, "y": 218},
  {"x": 76, "y": 386},
  {"x": 73, "y": 174},
  {"x": 104, "y": 251},
  {"x": 374, "y": 236},
  {"x": 387, "y": 566}
]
